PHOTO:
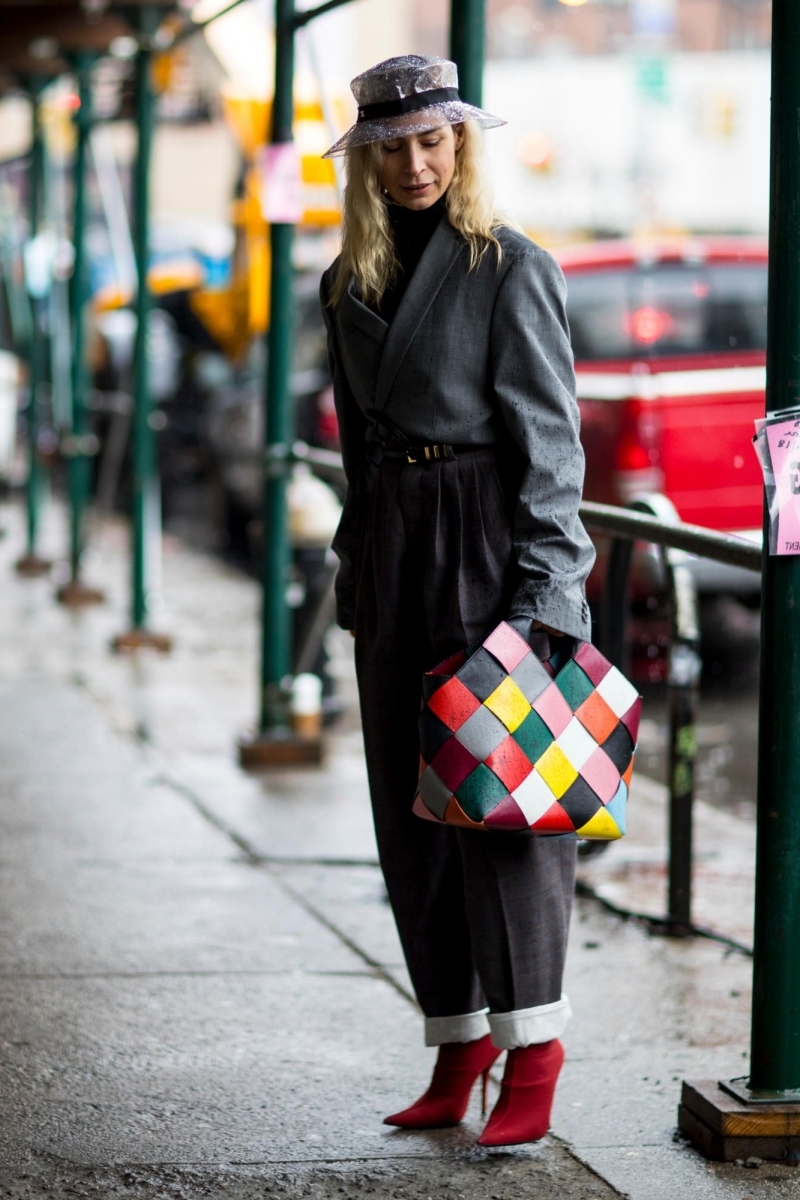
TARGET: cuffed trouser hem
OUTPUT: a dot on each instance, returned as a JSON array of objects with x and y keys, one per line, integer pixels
[
  {"x": 529, "y": 1026},
  {"x": 465, "y": 1027}
]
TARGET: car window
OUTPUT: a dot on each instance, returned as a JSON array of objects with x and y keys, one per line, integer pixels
[{"x": 671, "y": 309}]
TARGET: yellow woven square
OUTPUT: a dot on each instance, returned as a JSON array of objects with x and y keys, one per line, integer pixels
[
  {"x": 508, "y": 703},
  {"x": 556, "y": 770}
]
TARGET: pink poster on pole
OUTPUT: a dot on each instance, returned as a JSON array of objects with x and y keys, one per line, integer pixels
[
  {"x": 281, "y": 184},
  {"x": 783, "y": 442}
]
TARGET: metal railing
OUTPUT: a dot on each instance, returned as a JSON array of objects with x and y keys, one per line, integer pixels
[{"x": 652, "y": 519}]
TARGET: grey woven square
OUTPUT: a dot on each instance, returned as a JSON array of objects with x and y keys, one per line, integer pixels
[
  {"x": 482, "y": 733},
  {"x": 437, "y": 795},
  {"x": 531, "y": 678}
]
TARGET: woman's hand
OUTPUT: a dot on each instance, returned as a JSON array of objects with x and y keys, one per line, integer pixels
[{"x": 546, "y": 629}]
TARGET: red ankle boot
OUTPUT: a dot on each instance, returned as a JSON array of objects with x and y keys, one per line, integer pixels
[
  {"x": 522, "y": 1113},
  {"x": 458, "y": 1066}
]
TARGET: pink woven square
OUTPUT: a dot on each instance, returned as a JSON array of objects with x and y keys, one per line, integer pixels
[
  {"x": 601, "y": 775},
  {"x": 507, "y": 646},
  {"x": 592, "y": 662},
  {"x": 553, "y": 709}
]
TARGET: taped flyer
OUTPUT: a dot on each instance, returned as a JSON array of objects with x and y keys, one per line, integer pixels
[{"x": 777, "y": 446}]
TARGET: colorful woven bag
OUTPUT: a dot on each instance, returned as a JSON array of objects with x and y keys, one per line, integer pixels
[{"x": 510, "y": 742}]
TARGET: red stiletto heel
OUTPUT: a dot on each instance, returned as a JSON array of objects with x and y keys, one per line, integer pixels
[
  {"x": 522, "y": 1113},
  {"x": 485, "y": 1092},
  {"x": 458, "y": 1066}
]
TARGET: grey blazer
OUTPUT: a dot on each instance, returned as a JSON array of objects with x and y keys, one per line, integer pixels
[{"x": 472, "y": 357}]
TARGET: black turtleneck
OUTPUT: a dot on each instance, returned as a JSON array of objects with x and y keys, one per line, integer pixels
[{"x": 412, "y": 230}]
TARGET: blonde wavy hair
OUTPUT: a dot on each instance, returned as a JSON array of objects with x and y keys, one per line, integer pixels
[{"x": 367, "y": 246}]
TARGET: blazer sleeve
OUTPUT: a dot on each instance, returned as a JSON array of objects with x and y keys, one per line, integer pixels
[
  {"x": 352, "y": 435},
  {"x": 534, "y": 385}
]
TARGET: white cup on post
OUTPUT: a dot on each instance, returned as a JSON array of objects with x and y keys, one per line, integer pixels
[{"x": 305, "y": 706}]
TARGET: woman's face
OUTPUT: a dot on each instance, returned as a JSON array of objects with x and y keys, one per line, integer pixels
[{"x": 417, "y": 169}]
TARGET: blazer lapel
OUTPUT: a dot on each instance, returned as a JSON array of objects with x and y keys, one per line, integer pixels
[
  {"x": 364, "y": 318},
  {"x": 432, "y": 269}
]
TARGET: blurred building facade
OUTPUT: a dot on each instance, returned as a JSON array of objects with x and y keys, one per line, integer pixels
[
  {"x": 624, "y": 115},
  {"x": 529, "y": 28}
]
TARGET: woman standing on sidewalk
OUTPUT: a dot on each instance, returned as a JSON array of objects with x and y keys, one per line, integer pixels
[{"x": 454, "y": 387}]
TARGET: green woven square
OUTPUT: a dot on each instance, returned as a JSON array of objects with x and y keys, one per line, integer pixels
[
  {"x": 480, "y": 793},
  {"x": 574, "y": 684},
  {"x": 533, "y": 737}
]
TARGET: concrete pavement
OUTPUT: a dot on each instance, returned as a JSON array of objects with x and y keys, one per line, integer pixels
[{"x": 202, "y": 989}]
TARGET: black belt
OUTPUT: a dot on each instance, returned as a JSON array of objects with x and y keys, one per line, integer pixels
[{"x": 437, "y": 452}]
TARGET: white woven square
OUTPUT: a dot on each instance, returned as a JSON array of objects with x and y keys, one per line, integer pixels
[
  {"x": 533, "y": 797},
  {"x": 577, "y": 743},
  {"x": 618, "y": 694}
]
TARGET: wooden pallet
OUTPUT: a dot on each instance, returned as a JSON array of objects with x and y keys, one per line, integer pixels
[{"x": 726, "y": 1129}]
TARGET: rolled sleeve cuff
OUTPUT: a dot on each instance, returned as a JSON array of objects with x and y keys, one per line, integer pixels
[
  {"x": 564, "y": 609},
  {"x": 530, "y": 1026},
  {"x": 464, "y": 1027}
]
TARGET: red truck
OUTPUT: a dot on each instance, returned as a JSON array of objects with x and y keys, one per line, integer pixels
[{"x": 670, "y": 340}]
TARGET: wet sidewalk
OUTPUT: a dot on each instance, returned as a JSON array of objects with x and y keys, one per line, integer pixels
[{"x": 202, "y": 989}]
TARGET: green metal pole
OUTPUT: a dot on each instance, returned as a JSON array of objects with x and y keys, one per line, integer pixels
[
  {"x": 276, "y": 626},
  {"x": 467, "y": 46},
  {"x": 78, "y": 461},
  {"x": 37, "y": 362},
  {"x": 775, "y": 1048},
  {"x": 144, "y": 455}
]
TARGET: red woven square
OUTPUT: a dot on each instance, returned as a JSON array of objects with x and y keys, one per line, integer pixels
[
  {"x": 592, "y": 662},
  {"x": 510, "y": 763},
  {"x": 555, "y": 820},
  {"x": 507, "y": 646},
  {"x": 453, "y": 763},
  {"x": 453, "y": 704},
  {"x": 507, "y": 815},
  {"x": 631, "y": 719}
]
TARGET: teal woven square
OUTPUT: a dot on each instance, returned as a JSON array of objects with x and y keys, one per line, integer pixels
[
  {"x": 480, "y": 793},
  {"x": 574, "y": 684},
  {"x": 533, "y": 737}
]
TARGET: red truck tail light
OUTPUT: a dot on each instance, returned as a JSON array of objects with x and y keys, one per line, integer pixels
[
  {"x": 649, "y": 325},
  {"x": 637, "y": 455}
]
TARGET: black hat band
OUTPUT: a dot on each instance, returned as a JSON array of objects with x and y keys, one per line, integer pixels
[{"x": 396, "y": 108}]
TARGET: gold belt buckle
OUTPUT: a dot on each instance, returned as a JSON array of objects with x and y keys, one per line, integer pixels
[{"x": 432, "y": 453}]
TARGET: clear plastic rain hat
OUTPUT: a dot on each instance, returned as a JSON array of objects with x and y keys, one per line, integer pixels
[{"x": 407, "y": 95}]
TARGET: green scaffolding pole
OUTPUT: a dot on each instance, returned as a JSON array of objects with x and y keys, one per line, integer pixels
[
  {"x": 146, "y": 512},
  {"x": 467, "y": 45},
  {"x": 31, "y": 563},
  {"x": 143, "y": 441},
  {"x": 775, "y": 1048},
  {"x": 78, "y": 445},
  {"x": 276, "y": 650}
]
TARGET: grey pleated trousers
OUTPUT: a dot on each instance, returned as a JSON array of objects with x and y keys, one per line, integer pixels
[{"x": 482, "y": 917}]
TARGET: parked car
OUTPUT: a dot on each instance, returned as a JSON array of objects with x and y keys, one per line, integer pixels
[{"x": 670, "y": 350}]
